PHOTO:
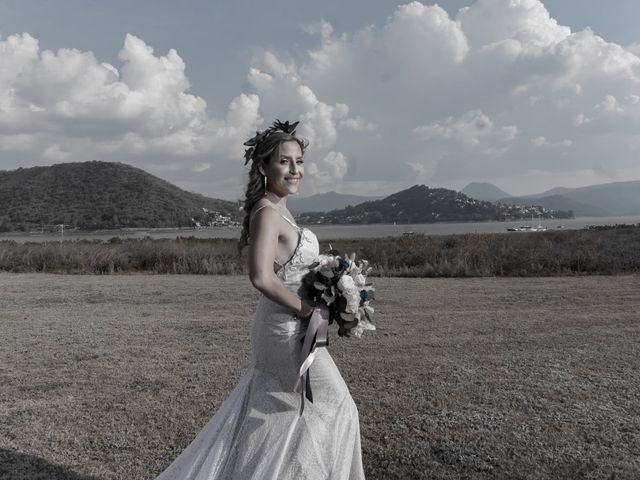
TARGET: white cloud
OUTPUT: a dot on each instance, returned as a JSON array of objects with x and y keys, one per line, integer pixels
[
  {"x": 67, "y": 106},
  {"x": 201, "y": 167},
  {"x": 415, "y": 26},
  {"x": 328, "y": 171},
  {"x": 610, "y": 104},
  {"x": 357, "y": 124},
  {"x": 527, "y": 22},
  {"x": 468, "y": 129},
  {"x": 56, "y": 153},
  {"x": 418, "y": 169},
  {"x": 485, "y": 94},
  {"x": 283, "y": 94},
  {"x": 539, "y": 141},
  {"x": 478, "y": 94},
  {"x": 544, "y": 142},
  {"x": 580, "y": 119}
]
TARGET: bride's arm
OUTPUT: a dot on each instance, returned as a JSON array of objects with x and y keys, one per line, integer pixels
[{"x": 262, "y": 251}]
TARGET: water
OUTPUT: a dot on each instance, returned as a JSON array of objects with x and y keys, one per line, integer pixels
[{"x": 333, "y": 231}]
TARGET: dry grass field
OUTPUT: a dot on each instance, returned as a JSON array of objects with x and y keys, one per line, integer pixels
[{"x": 109, "y": 377}]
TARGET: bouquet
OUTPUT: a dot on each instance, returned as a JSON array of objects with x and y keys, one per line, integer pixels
[{"x": 340, "y": 283}]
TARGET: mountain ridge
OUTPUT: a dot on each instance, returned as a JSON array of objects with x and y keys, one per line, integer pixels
[
  {"x": 99, "y": 195},
  {"x": 616, "y": 198},
  {"x": 602, "y": 199},
  {"x": 108, "y": 195},
  {"x": 422, "y": 204}
]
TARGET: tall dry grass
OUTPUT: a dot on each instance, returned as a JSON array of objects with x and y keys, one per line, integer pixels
[
  {"x": 180, "y": 256},
  {"x": 597, "y": 251}
]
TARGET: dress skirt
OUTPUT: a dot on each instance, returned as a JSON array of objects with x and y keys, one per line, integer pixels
[{"x": 260, "y": 433}]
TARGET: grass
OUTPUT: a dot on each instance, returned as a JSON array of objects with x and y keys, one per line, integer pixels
[
  {"x": 602, "y": 251},
  {"x": 109, "y": 377}
]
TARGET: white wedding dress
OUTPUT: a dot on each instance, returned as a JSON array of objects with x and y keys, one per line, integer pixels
[{"x": 259, "y": 432}]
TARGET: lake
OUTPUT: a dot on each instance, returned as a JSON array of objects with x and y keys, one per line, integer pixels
[{"x": 332, "y": 231}]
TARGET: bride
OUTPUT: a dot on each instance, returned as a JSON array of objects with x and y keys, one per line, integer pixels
[{"x": 264, "y": 429}]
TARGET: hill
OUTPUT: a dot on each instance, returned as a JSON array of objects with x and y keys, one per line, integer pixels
[
  {"x": 484, "y": 191},
  {"x": 421, "y": 204},
  {"x": 616, "y": 198},
  {"x": 99, "y": 195},
  {"x": 324, "y": 202},
  {"x": 557, "y": 202}
]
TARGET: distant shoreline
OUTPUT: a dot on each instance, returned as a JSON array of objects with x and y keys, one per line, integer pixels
[{"x": 375, "y": 230}]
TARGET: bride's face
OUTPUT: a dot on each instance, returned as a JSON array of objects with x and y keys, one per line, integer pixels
[{"x": 285, "y": 169}]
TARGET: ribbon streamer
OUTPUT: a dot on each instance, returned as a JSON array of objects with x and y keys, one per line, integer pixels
[{"x": 315, "y": 336}]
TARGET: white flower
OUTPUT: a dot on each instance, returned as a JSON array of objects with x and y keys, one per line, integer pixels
[
  {"x": 324, "y": 262},
  {"x": 328, "y": 261},
  {"x": 360, "y": 280},
  {"x": 353, "y": 300},
  {"x": 346, "y": 283}
]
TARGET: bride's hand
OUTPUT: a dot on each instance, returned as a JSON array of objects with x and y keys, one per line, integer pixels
[{"x": 306, "y": 311}]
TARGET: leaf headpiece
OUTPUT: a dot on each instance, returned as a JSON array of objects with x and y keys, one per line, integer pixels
[{"x": 277, "y": 126}]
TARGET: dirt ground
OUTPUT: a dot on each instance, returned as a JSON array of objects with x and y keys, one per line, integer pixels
[{"x": 109, "y": 377}]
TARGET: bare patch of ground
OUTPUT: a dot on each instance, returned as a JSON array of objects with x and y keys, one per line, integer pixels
[{"x": 109, "y": 377}]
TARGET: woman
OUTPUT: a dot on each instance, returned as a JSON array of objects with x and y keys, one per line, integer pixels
[{"x": 264, "y": 430}]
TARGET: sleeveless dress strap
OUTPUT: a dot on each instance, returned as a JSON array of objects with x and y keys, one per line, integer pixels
[
  {"x": 279, "y": 213},
  {"x": 290, "y": 222},
  {"x": 256, "y": 210}
]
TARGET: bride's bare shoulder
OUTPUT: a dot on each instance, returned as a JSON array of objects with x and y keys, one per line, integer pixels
[
  {"x": 263, "y": 212},
  {"x": 262, "y": 206}
]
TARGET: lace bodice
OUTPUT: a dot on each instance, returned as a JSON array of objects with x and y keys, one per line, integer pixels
[{"x": 305, "y": 253}]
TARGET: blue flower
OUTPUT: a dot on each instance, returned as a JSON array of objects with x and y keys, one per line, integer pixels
[
  {"x": 364, "y": 295},
  {"x": 342, "y": 264}
]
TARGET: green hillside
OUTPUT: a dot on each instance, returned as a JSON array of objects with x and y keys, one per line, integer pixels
[
  {"x": 99, "y": 195},
  {"x": 421, "y": 204}
]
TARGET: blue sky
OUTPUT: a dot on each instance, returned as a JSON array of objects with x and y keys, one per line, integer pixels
[{"x": 461, "y": 135}]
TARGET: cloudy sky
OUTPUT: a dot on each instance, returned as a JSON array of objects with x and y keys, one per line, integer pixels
[{"x": 526, "y": 94}]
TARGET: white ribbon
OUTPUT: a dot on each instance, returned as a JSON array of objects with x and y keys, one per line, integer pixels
[{"x": 315, "y": 336}]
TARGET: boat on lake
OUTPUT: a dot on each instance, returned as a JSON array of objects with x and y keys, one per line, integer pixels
[{"x": 527, "y": 228}]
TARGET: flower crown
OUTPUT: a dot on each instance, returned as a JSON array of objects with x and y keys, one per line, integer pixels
[{"x": 277, "y": 126}]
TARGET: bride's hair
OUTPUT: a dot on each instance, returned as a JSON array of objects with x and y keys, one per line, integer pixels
[{"x": 265, "y": 146}]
